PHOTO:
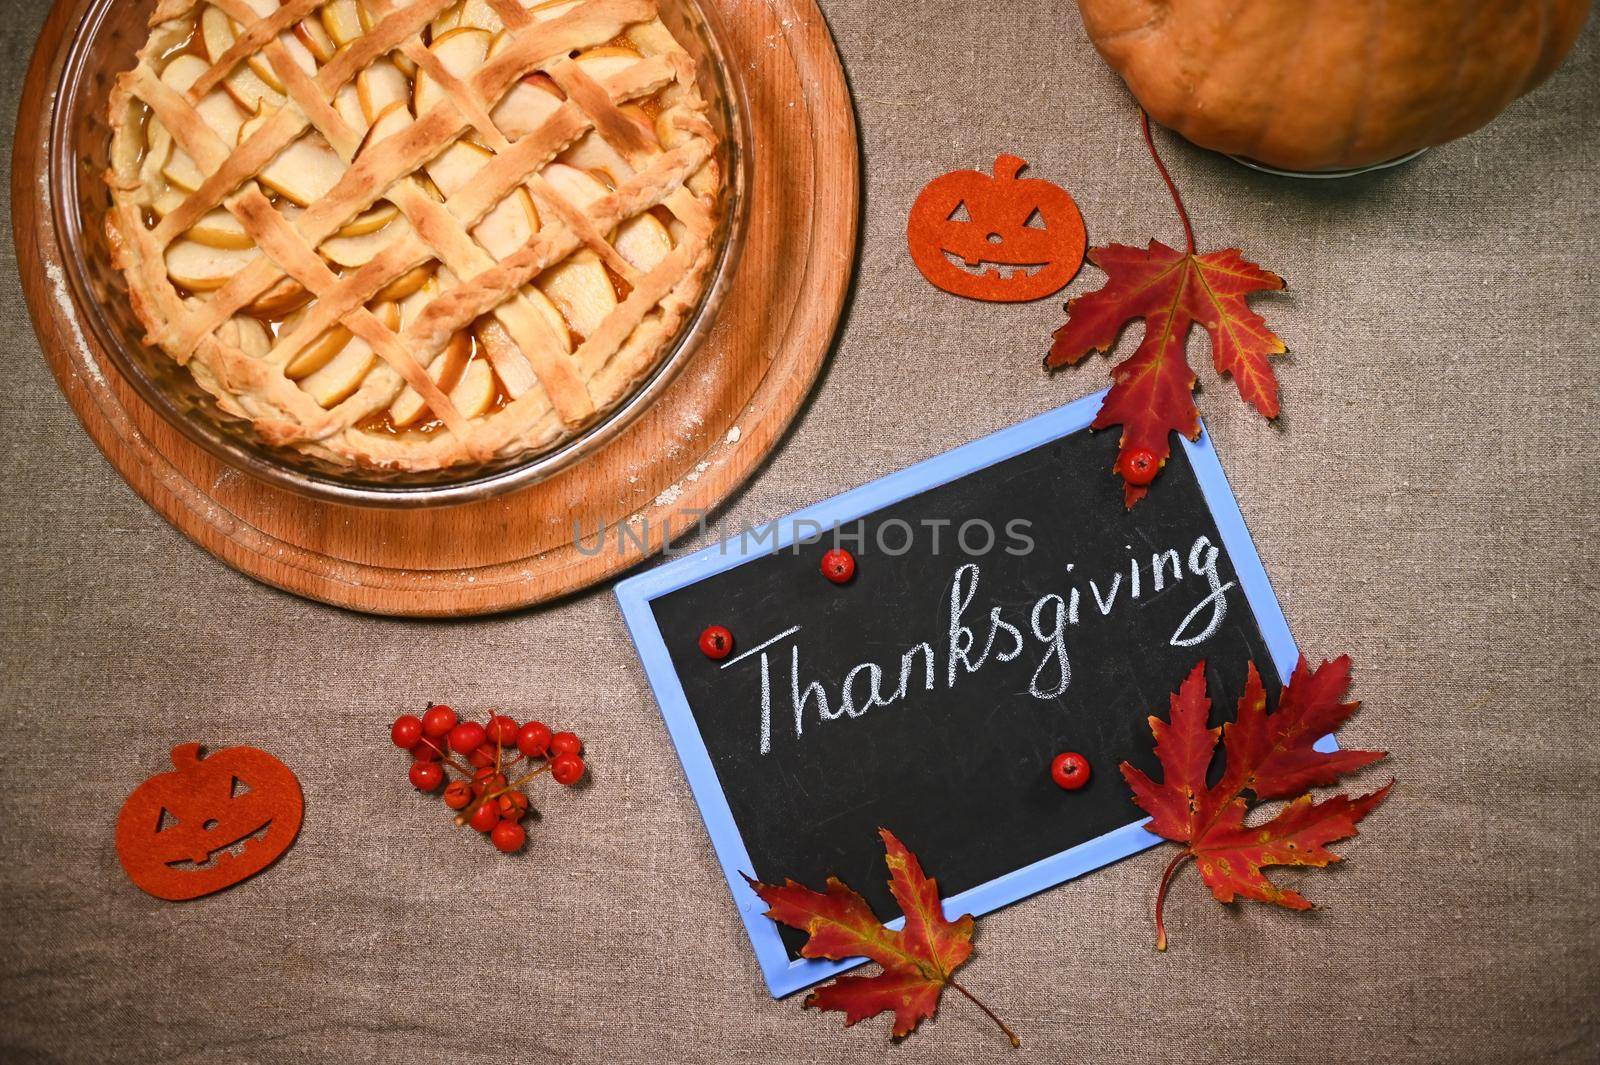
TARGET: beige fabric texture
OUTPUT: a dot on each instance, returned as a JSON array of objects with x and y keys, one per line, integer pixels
[{"x": 1427, "y": 505}]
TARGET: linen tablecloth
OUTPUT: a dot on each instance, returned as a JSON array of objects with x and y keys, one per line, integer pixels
[{"x": 1426, "y": 504}]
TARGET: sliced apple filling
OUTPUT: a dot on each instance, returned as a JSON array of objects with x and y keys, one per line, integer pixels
[{"x": 484, "y": 366}]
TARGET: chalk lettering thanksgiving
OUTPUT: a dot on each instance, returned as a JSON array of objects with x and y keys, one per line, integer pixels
[{"x": 976, "y": 638}]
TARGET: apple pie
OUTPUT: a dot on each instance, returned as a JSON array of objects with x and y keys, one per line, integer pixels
[{"x": 413, "y": 234}]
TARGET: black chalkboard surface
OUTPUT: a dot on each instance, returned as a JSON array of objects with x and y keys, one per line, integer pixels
[{"x": 995, "y": 620}]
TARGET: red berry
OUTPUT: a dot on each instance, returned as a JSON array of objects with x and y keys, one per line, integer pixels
[
  {"x": 567, "y": 769},
  {"x": 485, "y": 817},
  {"x": 565, "y": 743},
  {"x": 425, "y": 751},
  {"x": 486, "y": 779},
  {"x": 426, "y": 776},
  {"x": 513, "y": 805},
  {"x": 482, "y": 756},
  {"x": 1070, "y": 770},
  {"x": 437, "y": 721},
  {"x": 407, "y": 731},
  {"x": 534, "y": 739},
  {"x": 716, "y": 642},
  {"x": 466, "y": 737},
  {"x": 508, "y": 836},
  {"x": 501, "y": 730},
  {"x": 1140, "y": 466},
  {"x": 839, "y": 566},
  {"x": 457, "y": 794}
]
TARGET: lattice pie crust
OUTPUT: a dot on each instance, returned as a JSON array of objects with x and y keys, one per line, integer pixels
[{"x": 412, "y": 235}]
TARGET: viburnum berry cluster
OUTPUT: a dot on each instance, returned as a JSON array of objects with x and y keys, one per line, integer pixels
[{"x": 484, "y": 796}]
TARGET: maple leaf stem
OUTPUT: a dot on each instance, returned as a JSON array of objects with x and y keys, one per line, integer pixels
[
  {"x": 1161, "y": 896},
  {"x": 1177, "y": 201},
  {"x": 1015, "y": 1042}
]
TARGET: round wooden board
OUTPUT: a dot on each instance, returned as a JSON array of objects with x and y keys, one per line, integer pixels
[{"x": 701, "y": 439}]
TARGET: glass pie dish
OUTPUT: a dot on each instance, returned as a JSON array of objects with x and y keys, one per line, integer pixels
[{"x": 109, "y": 35}]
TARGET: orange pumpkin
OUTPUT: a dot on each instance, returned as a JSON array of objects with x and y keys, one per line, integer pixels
[
  {"x": 210, "y": 823},
  {"x": 1329, "y": 84}
]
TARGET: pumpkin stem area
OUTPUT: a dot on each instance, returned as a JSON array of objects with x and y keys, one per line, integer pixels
[
  {"x": 1007, "y": 167},
  {"x": 185, "y": 755},
  {"x": 1177, "y": 201}
]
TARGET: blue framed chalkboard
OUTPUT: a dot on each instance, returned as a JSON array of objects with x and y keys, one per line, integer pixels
[{"x": 752, "y": 792}]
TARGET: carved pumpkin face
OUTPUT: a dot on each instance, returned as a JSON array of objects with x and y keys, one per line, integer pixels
[
  {"x": 999, "y": 238},
  {"x": 210, "y": 823}
]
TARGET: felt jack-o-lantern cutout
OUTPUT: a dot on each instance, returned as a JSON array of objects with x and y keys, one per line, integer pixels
[
  {"x": 210, "y": 823},
  {"x": 1003, "y": 238}
]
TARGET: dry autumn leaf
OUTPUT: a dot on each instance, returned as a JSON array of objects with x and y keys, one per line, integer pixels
[
  {"x": 1270, "y": 755},
  {"x": 918, "y": 961},
  {"x": 1152, "y": 390}
]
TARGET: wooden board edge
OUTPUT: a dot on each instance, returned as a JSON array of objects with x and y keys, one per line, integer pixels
[{"x": 485, "y": 590}]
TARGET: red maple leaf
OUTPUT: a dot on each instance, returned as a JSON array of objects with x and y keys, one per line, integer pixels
[
  {"x": 1152, "y": 390},
  {"x": 1269, "y": 755},
  {"x": 917, "y": 961}
]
